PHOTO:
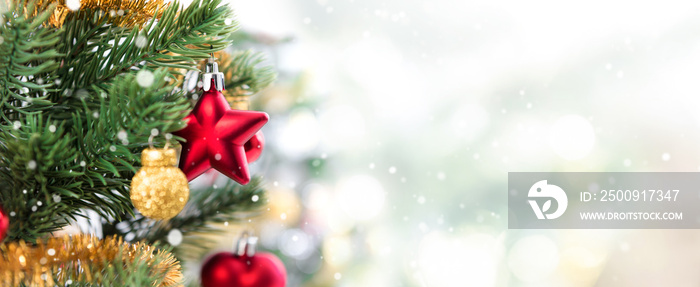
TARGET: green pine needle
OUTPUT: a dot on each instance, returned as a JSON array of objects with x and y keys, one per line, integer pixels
[
  {"x": 205, "y": 208},
  {"x": 74, "y": 116}
]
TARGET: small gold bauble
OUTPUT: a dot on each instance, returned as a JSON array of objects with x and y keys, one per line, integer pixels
[{"x": 159, "y": 190}]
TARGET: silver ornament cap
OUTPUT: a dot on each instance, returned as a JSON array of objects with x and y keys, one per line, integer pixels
[
  {"x": 212, "y": 74},
  {"x": 245, "y": 246}
]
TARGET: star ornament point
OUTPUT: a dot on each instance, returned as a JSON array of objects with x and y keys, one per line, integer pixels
[{"x": 216, "y": 135}]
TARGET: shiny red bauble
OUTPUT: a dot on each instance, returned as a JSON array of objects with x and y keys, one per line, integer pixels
[
  {"x": 254, "y": 146},
  {"x": 4, "y": 224},
  {"x": 228, "y": 270}
]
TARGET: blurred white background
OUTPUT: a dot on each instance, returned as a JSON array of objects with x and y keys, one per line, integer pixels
[{"x": 424, "y": 106}]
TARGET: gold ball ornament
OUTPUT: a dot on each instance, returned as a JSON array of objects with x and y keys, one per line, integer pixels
[{"x": 159, "y": 190}]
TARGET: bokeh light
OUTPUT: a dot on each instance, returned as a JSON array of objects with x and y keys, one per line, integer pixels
[
  {"x": 533, "y": 258},
  {"x": 300, "y": 134},
  {"x": 343, "y": 127},
  {"x": 414, "y": 114},
  {"x": 572, "y": 137},
  {"x": 458, "y": 261},
  {"x": 361, "y": 197}
]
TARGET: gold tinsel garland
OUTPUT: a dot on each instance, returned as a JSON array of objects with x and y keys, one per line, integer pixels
[
  {"x": 76, "y": 258},
  {"x": 122, "y": 13}
]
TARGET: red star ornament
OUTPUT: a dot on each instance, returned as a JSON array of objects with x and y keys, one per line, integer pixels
[{"x": 216, "y": 135}]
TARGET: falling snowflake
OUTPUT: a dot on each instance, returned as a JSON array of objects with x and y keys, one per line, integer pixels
[
  {"x": 73, "y": 4},
  {"x": 82, "y": 94},
  {"x": 122, "y": 135},
  {"x": 175, "y": 237},
  {"x": 141, "y": 41},
  {"x": 145, "y": 78},
  {"x": 441, "y": 175}
]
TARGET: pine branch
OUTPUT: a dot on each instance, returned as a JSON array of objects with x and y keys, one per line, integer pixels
[
  {"x": 177, "y": 40},
  {"x": 83, "y": 149},
  {"x": 230, "y": 203},
  {"x": 85, "y": 165},
  {"x": 204, "y": 209},
  {"x": 28, "y": 62},
  {"x": 245, "y": 73},
  {"x": 37, "y": 172}
]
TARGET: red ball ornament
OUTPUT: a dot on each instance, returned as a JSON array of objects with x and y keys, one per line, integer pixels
[
  {"x": 227, "y": 269},
  {"x": 4, "y": 224},
  {"x": 215, "y": 133},
  {"x": 245, "y": 268},
  {"x": 254, "y": 146}
]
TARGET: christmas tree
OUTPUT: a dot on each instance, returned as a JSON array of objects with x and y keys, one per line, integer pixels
[{"x": 95, "y": 94}]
